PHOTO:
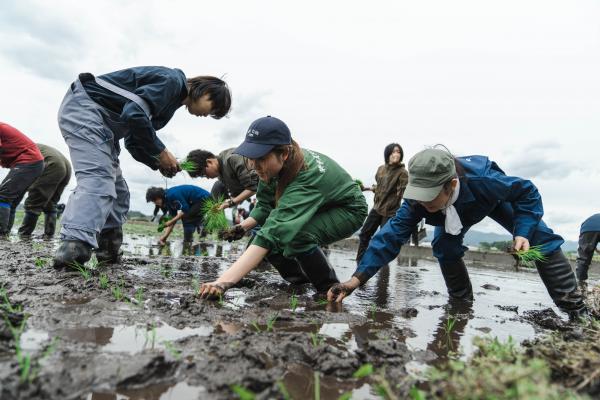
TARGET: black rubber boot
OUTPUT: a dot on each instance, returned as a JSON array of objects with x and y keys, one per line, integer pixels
[
  {"x": 559, "y": 279},
  {"x": 109, "y": 245},
  {"x": 188, "y": 236},
  {"x": 4, "y": 221},
  {"x": 457, "y": 280},
  {"x": 71, "y": 251},
  {"x": 49, "y": 225},
  {"x": 28, "y": 225},
  {"x": 288, "y": 268},
  {"x": 318, "y": 270}
]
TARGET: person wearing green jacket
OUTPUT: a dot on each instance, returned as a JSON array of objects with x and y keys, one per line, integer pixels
[{"x": 305, "y": 200}]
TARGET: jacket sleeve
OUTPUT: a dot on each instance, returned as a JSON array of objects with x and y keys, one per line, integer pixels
[
  {"x": 402, "y": 183},
  {"x": 298, "y": 204},
  {"x": 522, "y": 195},
  {"x": 386, "y": 244},
  {"x": 265, "y": 196},
  {"x": 247, "y": 178},
  {"x": 142, "y": 142}
]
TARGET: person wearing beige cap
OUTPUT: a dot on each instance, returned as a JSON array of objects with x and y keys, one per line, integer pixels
[{"x": 454, "y": 194}]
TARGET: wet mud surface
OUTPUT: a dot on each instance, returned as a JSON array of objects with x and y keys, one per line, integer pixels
[{"x": 144, "y": 335}]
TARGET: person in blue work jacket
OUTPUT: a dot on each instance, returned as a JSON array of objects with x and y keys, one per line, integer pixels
[
  {"x": 185, "y": 203},
  {"x": 589, "y": 236},
  {"x": 96, "y": 113},
  {"x": 454, "y": 194}
]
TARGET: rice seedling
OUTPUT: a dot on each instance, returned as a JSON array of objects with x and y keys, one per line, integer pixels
[
  {"x": 373, "y": 309},
  {"x": 242, "y": 392},
  {"x": 214, "y": 219},
  {"x": 449, "y": 326},
  {"x": 171, "y": 349},
  {"x": 283, "y": 390},
  {"x": 271, "y": 322},
  {"x": 346, "y": 396},
  {"x": 83, "y": 270},
  {"x": 151, "y": 335},
  {"x": 37, "y": 246},
  {"x": 416, "y": 394},
  {"x": 162, "y": 222},
  {"x": 188, "y": 166},
  {"x": 221, "y": 301},
  {"x": 322, "y": 302},
  {"x": 317, "y": 385},
  {"x": 6, "y": 304},
  {"x": 117, "y": 291},
  {"x": 166, "y": 271},
  {"x": 139, "y": 296},
  {"x": 316, "y": 339},
  {"x": 195, "y": 285},
  {"x": 531, "y": 256},
  {"x": 40, "y": 262},
  {"x": 293, "y": 302},
  {"x": 256, "y": 326},
  {"x": 364, "y": 371},
  {"x": 103, "y": 281}
]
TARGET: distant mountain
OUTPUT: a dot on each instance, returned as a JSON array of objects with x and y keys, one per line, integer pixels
[{"x": 473, "y": 238}]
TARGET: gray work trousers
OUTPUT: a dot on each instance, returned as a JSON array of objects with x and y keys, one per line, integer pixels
[{"x": 101, "y": 198}]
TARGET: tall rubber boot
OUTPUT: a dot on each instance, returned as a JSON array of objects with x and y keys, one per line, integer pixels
[
  {"x": 71, "y": 251},
  {"x": 288, "y": 268},
  {"x": 317, "y": 269},
  {"x": 109, "y": 245},
  {"x": 457, "y": 280},
  {"x": 49, "y": 225},
  {"x": 559, "y": 279},
  {"x": 4, "y": 221},
  {"x": 28, "y": 225}
]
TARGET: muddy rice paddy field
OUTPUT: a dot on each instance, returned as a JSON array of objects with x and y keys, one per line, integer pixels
[{"x": 137, "y": 331}]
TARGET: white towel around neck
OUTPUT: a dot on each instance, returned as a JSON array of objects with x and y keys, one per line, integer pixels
[{"x": 452, "y": 225}]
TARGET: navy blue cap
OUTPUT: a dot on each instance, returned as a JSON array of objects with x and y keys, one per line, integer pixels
[{"x": 264, "y": 134}]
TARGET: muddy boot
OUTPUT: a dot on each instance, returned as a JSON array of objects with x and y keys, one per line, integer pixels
[
  {"x": 318, "y": 270},
  {"x": 49, "y": 225},
  {"x": 457, "y": 280},
  {"x": 288, "y": 268},
  {"x": 4, "y": 221},
  {"x": 72, "y": 251},
  {"x": 559, "y": 279},
  {"x": 109, "y": 244},
  {"x": 28, "y": 224}
]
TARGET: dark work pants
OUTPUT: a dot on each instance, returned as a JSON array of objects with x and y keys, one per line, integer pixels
[
  {"x": 14, "y": 187},
  {"x": 587, "y": 245},
  {"x": 373, "y": 222},
  {"x": 44, "y": 194}
]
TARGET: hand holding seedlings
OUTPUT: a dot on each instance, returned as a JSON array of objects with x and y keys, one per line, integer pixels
[
  {"x": 214, "y": 290},
  {"x": 339, "y": 291},
  {"x": 167, "y": 164},
  {"x": 520, "y": 243},
  {"x": 236, "y": 232}
]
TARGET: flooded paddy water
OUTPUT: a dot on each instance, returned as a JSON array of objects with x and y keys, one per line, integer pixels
[{"x": 136, "y": 330}]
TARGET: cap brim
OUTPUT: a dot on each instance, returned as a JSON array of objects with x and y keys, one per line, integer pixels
[
  {"x": 422, "y": 194},
  {"x": 253, "y": 150}
]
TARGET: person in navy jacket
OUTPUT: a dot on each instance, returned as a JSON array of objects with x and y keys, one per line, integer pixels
[{"x": 454, "y": 194}]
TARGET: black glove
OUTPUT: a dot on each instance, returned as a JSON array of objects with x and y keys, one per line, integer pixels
[{"x": 236, "y": 232}]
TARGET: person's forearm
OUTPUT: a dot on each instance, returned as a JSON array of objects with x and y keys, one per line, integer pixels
[
  {"x": 246, "y": 193},
  {"x": 168, "y": 231},
  {"x": 249, "y": 223},
  {"x": 246, "y": 263},
  {"x": 176, "y": 218}
]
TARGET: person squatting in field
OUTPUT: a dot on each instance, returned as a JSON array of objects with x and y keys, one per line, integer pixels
[
  {"x": 454, "y": 194},
  {"x": 304, "y": 200}
]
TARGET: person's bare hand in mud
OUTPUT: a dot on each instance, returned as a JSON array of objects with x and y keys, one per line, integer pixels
[
  {"x": 520, "y": 243},
  {"x": 236, "y": 232},
  {"x": 167, "y": 164},
  {"x": 214, "y": 290},
  {"x": 341, "y": 290},
  {"x": 162, "y": 241}
]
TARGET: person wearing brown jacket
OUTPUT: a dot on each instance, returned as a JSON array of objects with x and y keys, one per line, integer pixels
[{"x": 391, "y": 180}]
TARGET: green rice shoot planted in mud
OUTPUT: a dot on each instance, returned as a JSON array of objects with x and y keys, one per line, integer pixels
[
  {"x": 283, "y": 390},
  {"x": 83, "y": 270},
  {"x": 195, "y": 285},
  {"x": 214, "y": 219},
  {"x": 322, "y": 302},
  {"x": 316, "y": 339},
  {"x": 242, "y": 392},
  {"x": 6, "y": 304},
  {"x": 40, "y": 262},
  {"x": 171, "y": 349},
  {"x": 317, "y": 385},
  {"x": 117, "y": 291},
  {"x": 449, "y": 326},
  {"x": 293, "y": 302},
  {"x": 364, "y": 371},
  {"x": 271, "y": 321},
  {"x": 531, "y": 256},
  {"x": 416, "y": 394},
  {"x": 103, "y": 281},
  {"x": 139, "y": 296}
]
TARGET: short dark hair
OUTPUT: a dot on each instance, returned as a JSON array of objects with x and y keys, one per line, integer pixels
[
  {"x": 389, "y": 149},
  {"x": 154, "y": 193},
  {"x": 217, "y": 90},
  {"x": 199, "y": 157}
]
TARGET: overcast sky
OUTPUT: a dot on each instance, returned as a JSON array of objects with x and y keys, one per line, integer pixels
[{"x": 518, "y": 81}]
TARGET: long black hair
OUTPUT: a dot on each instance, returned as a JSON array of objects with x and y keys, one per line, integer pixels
[{"x": 389, "y": 149}]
